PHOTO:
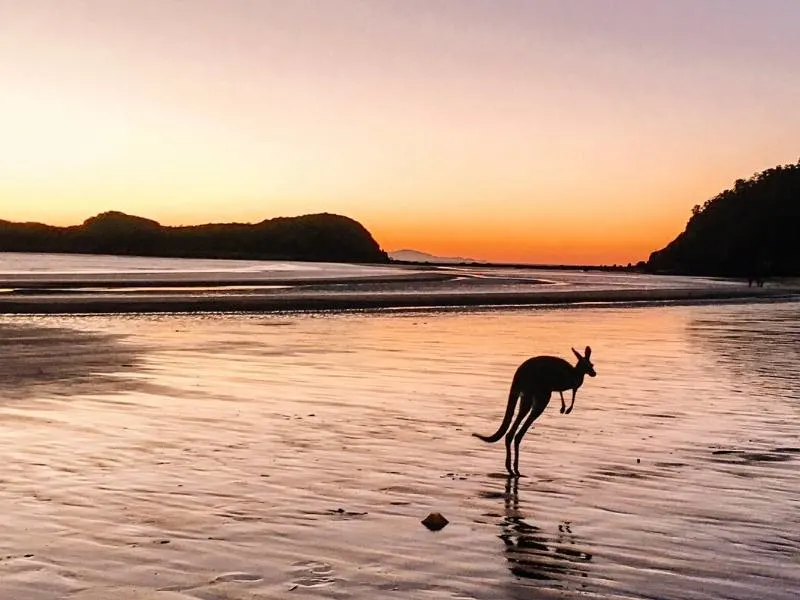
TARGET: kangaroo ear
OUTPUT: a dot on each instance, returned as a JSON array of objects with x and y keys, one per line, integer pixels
[
  {"x": 577, "y": 354},
  {"x": 588, "y": 352}
]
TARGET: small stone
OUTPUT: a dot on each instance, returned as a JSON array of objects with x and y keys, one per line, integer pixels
[
  {"x": 435, "y": 521},
  {"x": 638, "y": 460}
]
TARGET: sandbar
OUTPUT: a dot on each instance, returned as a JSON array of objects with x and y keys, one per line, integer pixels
[{"x": 296, "y": 299}]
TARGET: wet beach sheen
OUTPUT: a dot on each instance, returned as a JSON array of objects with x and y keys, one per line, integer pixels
[{"x": 245, "y": 456}]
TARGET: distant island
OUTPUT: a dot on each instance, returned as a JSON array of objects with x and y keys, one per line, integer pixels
[
  {"x": 320, "y": 237},
  {"x": 750, "y": 230},
  {"x": 417, "y": 256}
]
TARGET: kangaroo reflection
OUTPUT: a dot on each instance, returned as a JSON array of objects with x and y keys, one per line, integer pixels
[{"x": 532, "y": 553}]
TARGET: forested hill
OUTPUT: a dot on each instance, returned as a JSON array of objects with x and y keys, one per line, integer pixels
[
  {"x": 753, "y": 228},
  {"x": 318, "y": 237}
]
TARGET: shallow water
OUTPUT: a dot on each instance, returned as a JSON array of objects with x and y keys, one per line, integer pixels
[
  {"x": 252, "y": 456},
  {"x": 75, "y": 275},
  {"x": 47, "y": 265}
]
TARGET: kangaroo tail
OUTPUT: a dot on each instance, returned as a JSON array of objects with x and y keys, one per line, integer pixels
[{"x": 513, "y": 395}]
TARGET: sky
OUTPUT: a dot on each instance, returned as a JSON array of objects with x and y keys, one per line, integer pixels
[{"x": 563, "y": 131}]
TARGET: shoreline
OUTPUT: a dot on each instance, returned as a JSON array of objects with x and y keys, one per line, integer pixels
[
  {"x": 26, "y": 283},
  {"x": 298, "y": 302}
]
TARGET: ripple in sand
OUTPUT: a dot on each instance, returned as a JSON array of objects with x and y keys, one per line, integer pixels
[
  {"x": 127, "y": 593},
  {"x": 345, "y": 514},
  {"x": 236, "y": 577},
  {"x": 745, "y": 457}
]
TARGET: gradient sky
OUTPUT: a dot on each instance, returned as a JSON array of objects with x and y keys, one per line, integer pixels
[{"x": 542, "y": 131}]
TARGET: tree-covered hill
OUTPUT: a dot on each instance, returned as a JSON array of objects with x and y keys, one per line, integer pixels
[
  {"x": 752, "y": 228},
  {"x": 318, "y": 237}
]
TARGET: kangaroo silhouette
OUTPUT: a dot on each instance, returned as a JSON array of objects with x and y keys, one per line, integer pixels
[{"x": 534, "y": 382}]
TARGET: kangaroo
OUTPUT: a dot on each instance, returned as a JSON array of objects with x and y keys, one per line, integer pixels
[{"x": 534, "y": 382}]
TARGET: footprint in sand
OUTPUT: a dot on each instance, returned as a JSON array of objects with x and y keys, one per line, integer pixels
[{"x": 127, "y": 593}]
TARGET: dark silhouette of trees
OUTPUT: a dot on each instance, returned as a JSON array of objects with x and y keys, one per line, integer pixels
[
  {"x": 751, "y": 230},
  {"x": 318, "y": 237}
]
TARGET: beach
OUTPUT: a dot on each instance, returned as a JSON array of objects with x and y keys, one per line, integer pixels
[
  {"x": 293, "y": 454},
  {"x": 394, "y": 299},
  {"x": 88, "y": 284}
]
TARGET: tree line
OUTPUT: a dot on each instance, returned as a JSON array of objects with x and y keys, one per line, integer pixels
[
  {"x": 751, "y": 229},
  {"x": 318, "y": 237}
]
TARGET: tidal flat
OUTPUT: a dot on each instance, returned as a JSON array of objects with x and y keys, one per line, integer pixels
[{"x": 252, "y": 456}]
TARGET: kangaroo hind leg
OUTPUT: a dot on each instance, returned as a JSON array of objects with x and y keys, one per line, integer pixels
[
  {"x": 525, "y": 405},
  {"x": 540, "y": 402}
]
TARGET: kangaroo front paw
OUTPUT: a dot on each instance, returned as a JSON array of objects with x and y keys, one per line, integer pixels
[
  {"x": 569, "y": 410},
  {"x": 562, "y": 410}
]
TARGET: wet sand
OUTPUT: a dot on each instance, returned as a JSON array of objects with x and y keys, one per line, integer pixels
[
  {"x": 403, "y": 291},
  {"x": 78, "y": 284},
  {"x": 257, "y": 456}
]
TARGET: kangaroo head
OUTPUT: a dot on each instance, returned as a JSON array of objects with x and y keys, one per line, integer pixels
[{"x": 584, "y": 364}]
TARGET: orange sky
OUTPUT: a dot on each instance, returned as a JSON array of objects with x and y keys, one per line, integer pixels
[{"x": 566, "y": 131}]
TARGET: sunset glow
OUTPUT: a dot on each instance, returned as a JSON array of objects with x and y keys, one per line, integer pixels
[{"x": 558, "y": 131}]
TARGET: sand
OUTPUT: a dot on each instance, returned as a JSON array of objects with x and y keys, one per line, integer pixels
[
  {"x": 271, "y": 300},
  {"x": 250, "y": 456},
  {"x": 66, "y": 284}
]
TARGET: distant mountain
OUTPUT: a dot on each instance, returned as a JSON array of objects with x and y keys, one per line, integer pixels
[
  {"x": 417, "y": 256},
  {"x": 320, "y": 237},
  {"x": 750, "y": 229}
]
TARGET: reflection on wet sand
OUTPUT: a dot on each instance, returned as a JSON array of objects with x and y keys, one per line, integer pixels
[
  {"x": 268, "y": 453},
  {"x": 39, "y": 362},
  {"x": 534, "y": 554},
  {"x": 750, "y": 343}
]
